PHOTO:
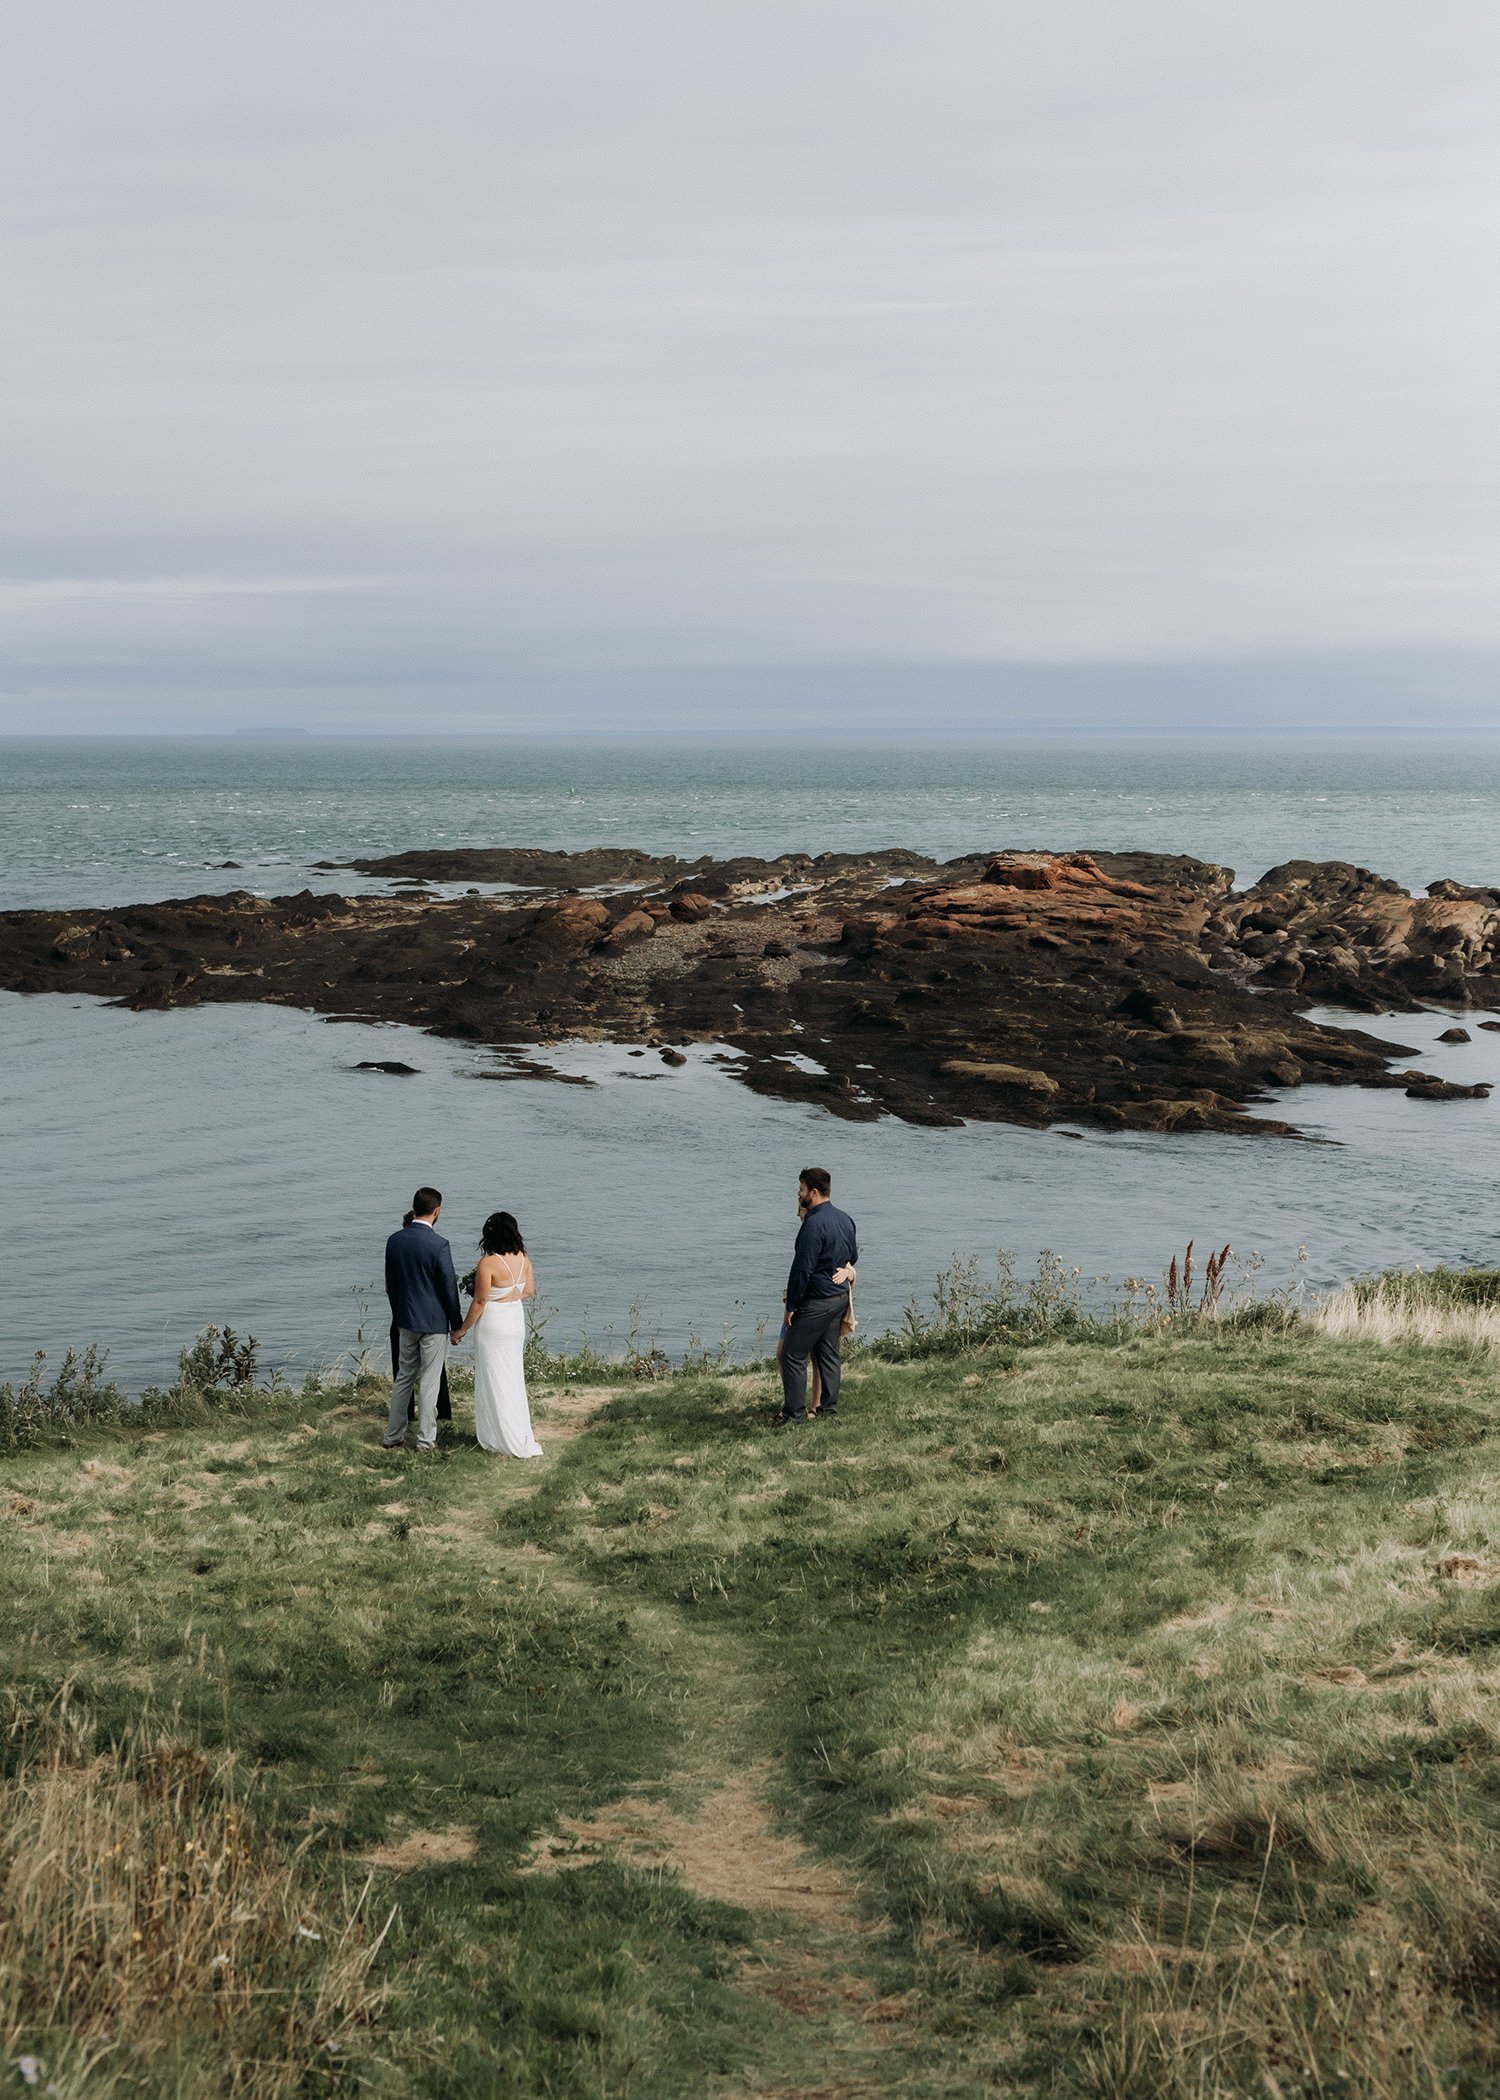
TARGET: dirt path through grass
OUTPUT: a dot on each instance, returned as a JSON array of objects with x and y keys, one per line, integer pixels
[{"x": 702, "y": 1818}]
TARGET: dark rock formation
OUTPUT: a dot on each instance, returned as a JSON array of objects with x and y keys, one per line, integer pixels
[
  {"x": 1136, "y": 991},
  {"x": 1421, "y": 1086}
]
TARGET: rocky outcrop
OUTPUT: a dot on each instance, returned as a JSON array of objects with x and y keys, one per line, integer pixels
[
  {"x": 1134, "y": 991},
  {"x": 1341, "y": 934}
]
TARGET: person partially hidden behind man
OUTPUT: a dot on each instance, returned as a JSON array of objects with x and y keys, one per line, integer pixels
[
  {"x": 817, "y": 1298},
  {"x": 423, "y": 1290}
]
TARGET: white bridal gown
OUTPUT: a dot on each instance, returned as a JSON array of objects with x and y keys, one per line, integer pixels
[{"x": 502, "y": 1417}]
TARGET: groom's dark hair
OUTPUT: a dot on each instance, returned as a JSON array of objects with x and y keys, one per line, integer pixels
[
  {"x": 425, "y": 1202},
  {"x": 818, "y": 1179}
]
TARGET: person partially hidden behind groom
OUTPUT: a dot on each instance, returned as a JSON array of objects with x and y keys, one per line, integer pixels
[
  {"x": 817, "y": 1297},
  {"x": 423, "y": 1290}
]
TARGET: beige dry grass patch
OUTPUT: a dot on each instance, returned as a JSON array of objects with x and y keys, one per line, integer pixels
[
  {"x": 730, "y": 1851},
  {"x": 255, "y": 1482},
  {"x": 1280, "y": 1771},
  {"x": 1171, "y": 1790},
  {"x": 1023, "y": 1769},
  {"x": 751, "y": 1385},
  {"x": 845, "y": 2089},
  {"x": 1398, "y": 1312},
  {"x": 952, "y": 1806},
  {"x": 99, "y": 1473},
  {"x": 1216, "y": 1615},
  {"x": 1143, "y": 1957},
  {"x": 72, "y": 1545},
  {"x": 567, "y": 1413},
  {"x": 454, "y": 1846},
  {"x": 801, "y": 1983}
]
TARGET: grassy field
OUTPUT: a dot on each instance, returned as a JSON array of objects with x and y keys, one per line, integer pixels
[{"x": 1112, "y": 1716}]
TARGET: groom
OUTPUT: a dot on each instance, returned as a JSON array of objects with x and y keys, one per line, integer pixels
[
  {"x": 817, "y": 1297},
  {"x": 423, "y": 1290}
]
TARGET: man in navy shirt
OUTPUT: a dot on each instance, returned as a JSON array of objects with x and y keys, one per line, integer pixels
[{"x": 817, "y": 1297}]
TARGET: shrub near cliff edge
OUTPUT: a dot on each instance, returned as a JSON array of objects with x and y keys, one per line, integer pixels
[{"x": 215, "y": 1371}]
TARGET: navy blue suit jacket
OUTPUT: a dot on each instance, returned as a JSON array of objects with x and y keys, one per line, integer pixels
[{"x": 420, "y": 1283}]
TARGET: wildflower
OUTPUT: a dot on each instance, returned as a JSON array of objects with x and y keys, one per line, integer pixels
[{"x": 31, "y": 2069}]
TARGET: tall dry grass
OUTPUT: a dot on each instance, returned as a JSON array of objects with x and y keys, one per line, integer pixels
[
  {"x": 1391, "y": 2009},
  {"x": 149, "y": 1927},
  {"x": 1402, "y": 1309}
]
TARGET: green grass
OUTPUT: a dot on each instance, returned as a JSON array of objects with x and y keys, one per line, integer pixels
[{"x": 1143, "y": 1685}]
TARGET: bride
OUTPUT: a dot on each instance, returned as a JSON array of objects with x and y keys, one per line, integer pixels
[{"x": 502, "y": 1280}]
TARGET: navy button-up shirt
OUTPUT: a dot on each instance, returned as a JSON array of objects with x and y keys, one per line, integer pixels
[{"x": 825, "y": 1242}]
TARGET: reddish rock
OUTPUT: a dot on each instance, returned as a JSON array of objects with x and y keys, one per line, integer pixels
[{"x": 631, "y": 927}]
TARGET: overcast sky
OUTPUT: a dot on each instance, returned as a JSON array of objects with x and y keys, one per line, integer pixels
[{"x": 393, "y": 365}]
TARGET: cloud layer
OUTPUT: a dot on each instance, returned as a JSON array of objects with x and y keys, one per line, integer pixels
[{"x": 596, "y": 362}]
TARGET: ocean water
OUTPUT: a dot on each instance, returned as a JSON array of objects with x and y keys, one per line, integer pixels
[
  {"x": 103, "y": 821},
  {"x": 227, "y": 1164}
]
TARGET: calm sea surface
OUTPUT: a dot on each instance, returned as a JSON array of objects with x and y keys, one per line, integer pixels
[{"x": 227, "y": 1164}]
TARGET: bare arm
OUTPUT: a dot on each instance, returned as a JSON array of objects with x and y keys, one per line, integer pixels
[
  {"x": 482, "y": 1277},
  {"x": 528, "y": 1286}
]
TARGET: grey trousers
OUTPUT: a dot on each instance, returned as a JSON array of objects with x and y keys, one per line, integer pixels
[
  {"x": 814, "y": 1333},
  {"x": 420, "y": 1364}
]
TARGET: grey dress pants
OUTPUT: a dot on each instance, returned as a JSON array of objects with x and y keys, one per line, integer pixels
[{"x": 421, "y": 1361}]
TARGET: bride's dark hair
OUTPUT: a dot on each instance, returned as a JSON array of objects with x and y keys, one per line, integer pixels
[{"x": 501, "y": 1234}]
